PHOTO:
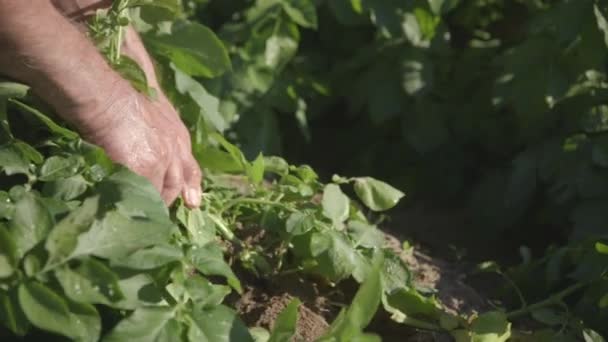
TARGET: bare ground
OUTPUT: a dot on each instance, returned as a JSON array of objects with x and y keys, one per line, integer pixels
[{"x": 263, "y": 302}]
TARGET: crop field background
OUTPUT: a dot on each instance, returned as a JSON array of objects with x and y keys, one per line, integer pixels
[{"x": 375, "y": 170}]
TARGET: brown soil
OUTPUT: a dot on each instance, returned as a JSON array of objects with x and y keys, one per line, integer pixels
[
  {"x": 448, "y": 279},
  {"x": 263, "y": 301},
  {"x": 260, "y": 309}
]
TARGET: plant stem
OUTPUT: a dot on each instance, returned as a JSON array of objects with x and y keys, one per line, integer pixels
[
  {"x": 552, "y": 300},
  {"x": 238, "y": 201},
  {"x": 522, "y": 299}
]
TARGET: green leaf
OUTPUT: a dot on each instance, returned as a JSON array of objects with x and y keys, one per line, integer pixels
[
  {"x": 47, "y": 310},
  {"x": 11, "y": 313},
  {"x": 31, "y": 223},
  {"x": 28, "y": 152},
  {"x": 134, "y": 196},
  {"x": 6, "y": 269},
  {"x": 282, "y": 45},
  {"x": 335, "y": 204},
  {"x": 601, "y": 248},
  {"x": 303, "y": 12},
  {"x": 139, "y": 290},
  {"x": 411, "y": 302},
  {"x": 491, "y": 327},
  {"x": 259, "y": 334},
  {"x": 489, "y": 266},
  {"x": 217, "y": 160},
  {"x": 7, "y": 208},
  {"x": 442, "y": 6},
  {"x": 158, "y": 13},
  {"x": 396, "y": 276},
  {"x": 131, "y": 71},
  {"x": 62, "y": 240},
  {"x": 193, "y": 48},
  {"x": 205, "y": 327},
  {"x": 209, "y": 105},
  {"x": 205, "y": 294},
  {"x": 209, "y": 260},
  {"x": 592, "y": 336},
  {"x": 377, "y": 195},
  {"x": 234, "y": 151},
  {"x": 86, "y": 320},
  {"x": 136, "y": 218},
  {"x": 339, "y": 258},
  {"x": 427, "y": 22},
  {"x": 198, "y": 224},
  {"x": 117, "y": 236},
  {"x": 66, "y": 189},
  {"x": 50, "y": 124},
  {"x": 9, "y": 90},
  {"x": 300, "y": 223},
  {"x": 448, "y": 321},
  {"x": 145, "y": 324},
  {"x": 150, "y": 258},
  {"x": 285, "y": 325},
  {"x": 8, "y": 248},
  {"x": 170, "y": 5},
  {"x": 91, "y": 282},
  {"x": 256, "y": 171},
  {"x": 603, "y": 302},
  {"x": 351, "y": 321},
  {"x": 365, "y": 235},
  {"x": 12, "y": 161},
  {"x": 276, "y": 165}
]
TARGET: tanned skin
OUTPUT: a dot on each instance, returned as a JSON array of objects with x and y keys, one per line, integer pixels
[{"x": 43, "y": 43}]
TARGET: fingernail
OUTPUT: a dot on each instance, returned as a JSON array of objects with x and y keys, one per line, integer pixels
[{"x": 193, "y": 197}]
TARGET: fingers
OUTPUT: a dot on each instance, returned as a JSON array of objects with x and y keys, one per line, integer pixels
[
  {"x": 173, "y": 182},
  {"x": 192, "y": 182}
]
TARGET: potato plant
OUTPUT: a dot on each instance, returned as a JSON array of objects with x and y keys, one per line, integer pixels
[{"x": 88, "y": 250}]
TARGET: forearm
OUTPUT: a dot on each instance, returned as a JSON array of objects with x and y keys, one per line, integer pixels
[
  {"x": 79, "y": 9},
  {"x": 40, "y": 47}
]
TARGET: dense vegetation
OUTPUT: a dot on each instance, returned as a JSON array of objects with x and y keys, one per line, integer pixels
[{"x": 500, "y": 104}]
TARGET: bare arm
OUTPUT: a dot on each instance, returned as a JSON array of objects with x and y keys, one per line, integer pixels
[{"x": 41, "y": 47}]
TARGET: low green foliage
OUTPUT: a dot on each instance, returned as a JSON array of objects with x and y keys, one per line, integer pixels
[{"x": 89, "y": 251}]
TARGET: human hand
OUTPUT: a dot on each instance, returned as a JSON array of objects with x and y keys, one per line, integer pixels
[
  {"x": 146, "y": 136},
  {"x": 149, "y": 138}
]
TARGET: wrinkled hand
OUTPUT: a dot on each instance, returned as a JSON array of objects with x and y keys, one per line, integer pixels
[
  {"x": 148, "y": 137},
  {"x": 71, "y": 75}
]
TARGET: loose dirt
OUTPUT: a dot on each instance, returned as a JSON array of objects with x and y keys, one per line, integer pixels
[{"x": 263, "y": 301}]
